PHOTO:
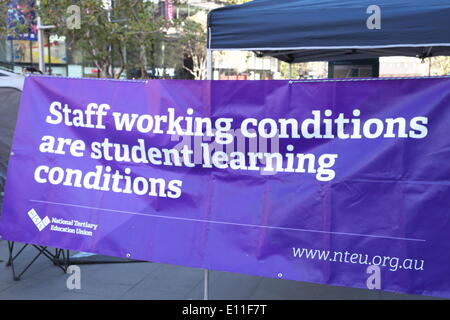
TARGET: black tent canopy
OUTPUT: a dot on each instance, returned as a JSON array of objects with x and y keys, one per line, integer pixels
[{"x": 324, "y": 30}]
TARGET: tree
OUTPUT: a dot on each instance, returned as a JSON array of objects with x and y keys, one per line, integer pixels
[
  {"x": 106, "y": 31},
  {"x": 3, "y": 20},
  {"x": 144, "y": 27},
  {"x": 440, "y": 66},
  {"x": 193, "y": 39}
]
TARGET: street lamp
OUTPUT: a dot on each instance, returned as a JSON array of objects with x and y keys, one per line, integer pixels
[{"x": 40, "y": 34}]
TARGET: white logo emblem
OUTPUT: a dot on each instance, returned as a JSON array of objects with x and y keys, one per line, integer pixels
[{"x": 38, "y": 222}]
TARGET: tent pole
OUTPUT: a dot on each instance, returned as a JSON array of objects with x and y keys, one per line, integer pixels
[
  {"x": 209, "y": 66},
  {"x": 205, "y": 284},
  {"x": 290, "y": 71},
  {"x": 209, "y": 76}
]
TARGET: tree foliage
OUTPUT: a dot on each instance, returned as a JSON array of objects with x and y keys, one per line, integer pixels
[
  {"x": 123, "y": 33},
  {"x": 192, "y": 32},
  {"x": 193, "y": 37},
  {"x": 440, "y": 66},
  {"x": 3, "y": 19},
  {"x": 106, "y": 31}
]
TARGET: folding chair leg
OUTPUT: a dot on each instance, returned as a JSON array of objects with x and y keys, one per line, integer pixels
[
  {"x": 16, "y": 278},
  {"x": 60, "y": 258}
]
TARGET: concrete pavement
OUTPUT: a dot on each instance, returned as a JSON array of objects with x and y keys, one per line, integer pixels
[{"x": 146, "y": 280}]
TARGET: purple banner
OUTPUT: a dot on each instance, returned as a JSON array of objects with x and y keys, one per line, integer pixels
[{"x": 341, "y": 182}]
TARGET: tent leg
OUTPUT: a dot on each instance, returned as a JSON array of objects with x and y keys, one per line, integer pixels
[
  {"x": 205, "y": 284},
  {"x": 290, "y": 71},
  {"x": 209, "y": 66}
]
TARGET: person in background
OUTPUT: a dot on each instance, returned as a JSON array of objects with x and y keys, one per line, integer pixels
[{"x": 31, "y": 70}]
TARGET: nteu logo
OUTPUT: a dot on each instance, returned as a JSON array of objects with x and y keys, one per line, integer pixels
[{"x": 38, "y": 222}]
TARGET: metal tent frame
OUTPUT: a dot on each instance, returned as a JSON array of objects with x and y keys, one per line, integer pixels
[{"x": 299, "y": 36}]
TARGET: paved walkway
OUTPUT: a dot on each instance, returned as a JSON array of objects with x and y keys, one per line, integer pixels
[{"x": 160, "y": 281}]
